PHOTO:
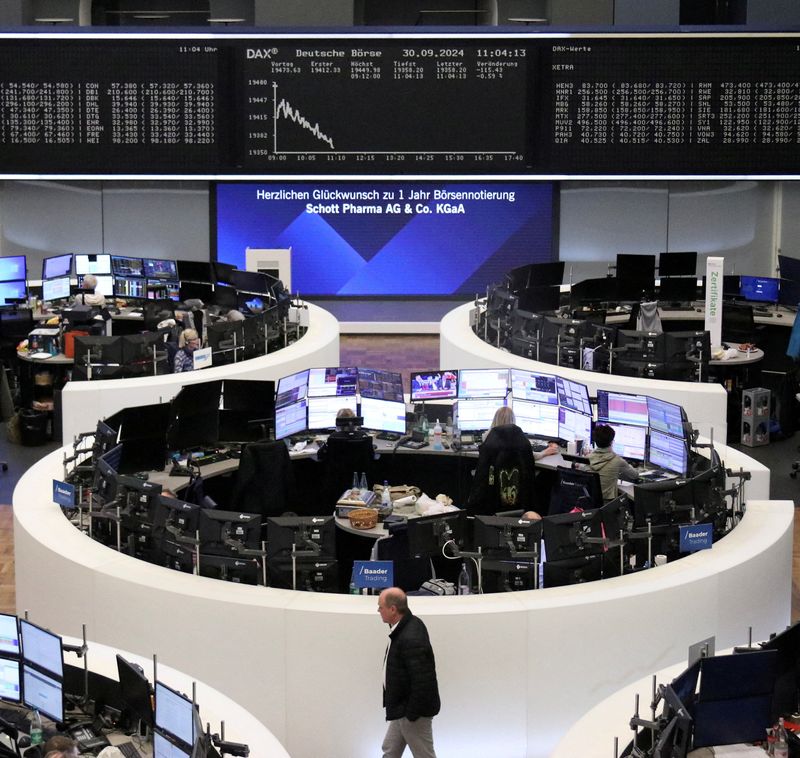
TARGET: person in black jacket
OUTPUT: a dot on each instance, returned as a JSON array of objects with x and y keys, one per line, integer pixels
[
  {"x": 410, "y": 690},
  {"x": 504, "y": 475}
]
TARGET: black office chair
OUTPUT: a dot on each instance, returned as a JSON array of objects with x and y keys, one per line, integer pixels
[
  {"x": 264, "y": 482},
  {"x": 500, "y": 307},
  {"x": 345, "y": 453},
  {"x": 576, "y": 488}
]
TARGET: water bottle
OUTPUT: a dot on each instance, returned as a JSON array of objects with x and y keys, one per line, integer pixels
[
  {"x": 363, "y": 485},
  {"x": 781, "y": 745},
  {"x": 355, "y": 481},
  {"x": 386, "y": 497},
  {"x": 37, "y": 735},
  {"x": 437, "y": 436},
  {"x": 463, "y": 581},
  {"x": 353, "y": 589}
]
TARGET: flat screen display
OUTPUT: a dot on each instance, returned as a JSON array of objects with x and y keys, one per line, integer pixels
[
  {"x": 677, "y": 264},
  {"x": 629, "y": 441},
  {"x": 55, "y": 289},
  {"x": 573, "y": 425},
  {"x": 573, "y": 395},
  {"x": 57, "y": 265},
  {"x": 163, "y": 289},
  {"x": 10, "y": 689},
  {"x": 157, "y": 268},
  {"x": 92, "y": 264},
  {"x": 130, "y": 287},
  {"x": 322, "y": 410},
  {"x": 482, "y": 382},
  {"x": 13, "y": 268},
  {"x": 105, "y": 284},
  {"x": 41, "y": 648},
  {"x": 9, "y": 635},
  {"x": 328, "y": 382},
  {"x": 434, "y": 385},
  {"x": 174, "y": 714},
  {"x": 383, "y": 415},
  {"x": 163, "y": 748},
  {"x": 291, "y": 419},
  {"x": 668, "y": 452},
  {"x": 377, "y": 383},
  {"x": 389, "y": 237},
  {"x": 42, "y": 693},
  {"x": 476, "y": 414},
  {"x": 665, "y": 417},
  {"x": 536, "y": 419},
  {"x": 291, "y": 388},
  {"x": 528, "y": 385},
  {"x": 121, "y": 265},
  {"x": 759, "y": 289},
  {"x": 13, "y": 291},
  {"x": 621, "y": 408}
]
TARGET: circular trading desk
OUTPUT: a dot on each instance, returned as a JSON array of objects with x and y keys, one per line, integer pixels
[
  {"x": 515, "y": 669},
  {"x": 85, "y": 403},
  {"x": 460, "y": 347}
]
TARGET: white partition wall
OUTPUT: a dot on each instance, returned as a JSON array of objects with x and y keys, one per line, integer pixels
[
  {"x": 83, "y": 404},
  {"x": 515, "y": 669},
  {"x": 705, "y": 404}
]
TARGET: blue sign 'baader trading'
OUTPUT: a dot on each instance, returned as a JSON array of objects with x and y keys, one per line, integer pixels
[
  {"x": 373, "y": 574},
  {"x": 63, "y": 494},
  {"x": 696, "y": 537}
]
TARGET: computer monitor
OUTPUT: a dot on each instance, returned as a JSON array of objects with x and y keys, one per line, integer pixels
[
  {"x": 642, "y": 346},
  {"x": 130, "y": 288},
  {"x": 668, "y": 452},
  {"x": 635, "y": 276},
  {"x": 322, "y": 411},
  {"x": 124, "y": 266},
  {"x": 536, "y": 419},
  {"x": 789, "y": 295},
  {"x": 224, "y": 296},
  {"x": 383, "y": 415},
  {"x": 678, "y": 289},
  {"x": 531, "y": 385},
  {"x": 332, "y": 382},
  {"x": 786, "y": 693},
  {"x": 630, "y": 441},
  {"x": 677, "y": 264},
  {"x": 226, "y": 340},
  {"x": 662, "y": 503},
  {"x": 573, "y": 425},
  {"x": 13, "y": 268},
  {"x": 9, "y": 635},
  {"x": 41, "y": 648},
  {"x": 476, "y": 415},
  {"x": 508, "y": 574},
  {"x": 195, "y": 416},
  {"x": 195, "y": 271},
  {"x": 165, "y": 747},
  {"x": 10, "y": 685},
  {"x": 380, "y": 384},
  {"x": 218, "y": 529},
  {"x": 104, "y": 485},
  {"x": 315, "y": 533},
  {"x": 539, "y": 299},
  {"x": 105, "y": 284},
  {"x": 175, "y": 714},
  {"x": 759, "y": 289},
  {"x": 506, "y": 534},
  {"x": 434, "y": 385},
  {"x": 250, "y": 281},
  {"x": 573, "y": 395},
  {"x": 134, "y": 690},
  {"x": 137, "y": 498},
  {"x": 291, "y": 389},
  {"x": 157, "y": 268},
  {"x": 730, "y": 286},
  {"x": 55, "y": 289},
  {"x": 789, "y": 267},
  {"x": 665, "y": 417},
  {"x": 198, "y": 291},
  {"x": 621, "y": 408},
  {"x": 57, "y": 266},
  {"x": 568, "y": 535},
  {"x": 42, "y": 693},
  {"x": 476, "y": 383},
  {"x": 144, "y": 354},
  {"x": 12, "y": 292},
  {"x": 291, "y": 419},
  {"x": 163, "y": 289},
  {"x": 427, "y": 535},
  {"x": 92, "y": 264},
  {"x": 231, "y": 568},
  {"x": 175, "y": 517}
]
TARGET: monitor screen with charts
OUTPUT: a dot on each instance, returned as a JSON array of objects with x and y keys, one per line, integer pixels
[
  {"x": 123, "y": 266},
  {"x": 157, "y": 268},
  {"x": 332, "y": 382},
  {"x": 528, "y": 385},
  {"x": 665, "y": 417},
  {"x": 621, "y": 408},
  {"x": 55, "y": 289},
  {"x": 482, "y": 382},
  {"x": 383, "y": 415},
  {"x": 668, "y": 452},
  {"x": 537, "y": 419},
  {"x": 41, "y": 648},
  {"x": 476, "y": 415},
  {"x": 322, "y": 411},
  {"x": 291, "y": 419},
  {"x": 105, "y": 284},
  {"x": 291, "y": 389},
  {"x": 573, "y": 395},
  {"x": 573, "y": 425},
  {"x": 629, "y": 441},
  {"x": 10, "y": 689},
  {"x": 174, "y": 714},
  {"x": 9, "y": 635},
  {"x": 164, "y": 748}
]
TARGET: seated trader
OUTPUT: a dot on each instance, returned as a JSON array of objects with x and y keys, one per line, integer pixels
[
  {"x": 188, "y": 342},
  {"x": 88, "y": 296},
  {"x": 504, "y": 475},
  {"x": 59, "y": 745},
  {"x": 608, "y": 464}
]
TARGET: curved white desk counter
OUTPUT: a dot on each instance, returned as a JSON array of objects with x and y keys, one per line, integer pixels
[
  {"x": 515, "y": 669},
  {"x": 240, "y": 724},
  {"x": 85, "y": 403},
  {"x": 460, "y": 347}
]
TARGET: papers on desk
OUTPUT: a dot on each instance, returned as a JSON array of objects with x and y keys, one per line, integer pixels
[{"x": 40, "y": 356}]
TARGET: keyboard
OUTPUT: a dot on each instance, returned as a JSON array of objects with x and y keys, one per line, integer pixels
[
  {"x": 538, "y": 447},
  {"x": 128, "y": 749}
]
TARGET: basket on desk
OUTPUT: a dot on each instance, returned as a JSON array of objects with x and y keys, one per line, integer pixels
[{"x": 363, "y": 518}]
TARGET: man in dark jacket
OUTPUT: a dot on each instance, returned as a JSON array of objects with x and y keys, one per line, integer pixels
[{"x": 410, "y": 691}]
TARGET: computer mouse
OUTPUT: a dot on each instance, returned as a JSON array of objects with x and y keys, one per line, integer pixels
[{"x": 779, "y": 315}]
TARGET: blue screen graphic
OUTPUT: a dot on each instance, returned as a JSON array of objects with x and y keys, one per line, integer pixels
[{"x": 389, "y": 238}]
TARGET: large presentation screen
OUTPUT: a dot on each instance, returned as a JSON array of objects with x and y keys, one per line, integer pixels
[{"x": 389, "y": 238}]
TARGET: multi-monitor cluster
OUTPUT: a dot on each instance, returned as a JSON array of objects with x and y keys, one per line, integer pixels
[{"x": 32, "y": 674}]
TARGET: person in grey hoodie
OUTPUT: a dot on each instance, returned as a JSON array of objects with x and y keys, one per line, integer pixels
[{"x": 608, "y": 464}]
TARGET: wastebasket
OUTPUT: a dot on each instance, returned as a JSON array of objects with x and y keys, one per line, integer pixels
[{"x": 33, "y": 427}]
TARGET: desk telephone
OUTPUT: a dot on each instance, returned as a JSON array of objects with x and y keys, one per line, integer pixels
[{"x": 87, "y": 738}]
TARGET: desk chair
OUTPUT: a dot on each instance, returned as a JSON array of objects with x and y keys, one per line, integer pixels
[
  {"x": 344, "y": 454},
  {"x": 576, "y": 488},
  {"x": 264, "y": 482},
  {"x": 500, "y": 307}
]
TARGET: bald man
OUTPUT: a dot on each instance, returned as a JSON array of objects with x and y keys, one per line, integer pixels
[{"x": 410, "y": 690}]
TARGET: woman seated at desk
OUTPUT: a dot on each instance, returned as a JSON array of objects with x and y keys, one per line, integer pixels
[{"x": 505, "y": 471}]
